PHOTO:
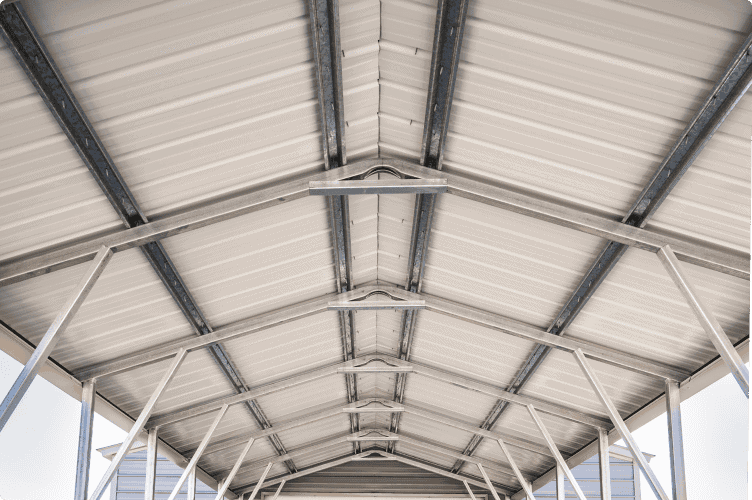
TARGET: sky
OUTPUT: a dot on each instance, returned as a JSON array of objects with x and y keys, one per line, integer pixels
[{"x": 38, "y": 445}]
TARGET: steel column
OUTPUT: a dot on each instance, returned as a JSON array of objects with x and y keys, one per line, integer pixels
[
  {"x": 447, "y": 43},
  {"x": 527, "y": 486},
  {"x": 138, "y": 425},
  {"x": 706, "y": 318},
  {"x": 555, "y": 452},
  {"x": 560, "y": 485},
  {"x": 199, "y": 451},
  {"x": 604, "y": 465},
  {"x": 621, "y": 427},
  {"x": 675, "y": 441},
  {"x": 235, "y": 468},
  {"x": 467, "y": 487},
  {"x": 150, "y": 482},
  {"x": 260, "y": 482},
  {"x": 488, "y": 481},
  {"x": 52, "y": 337},
  {"x": 722, "y": 99},
  {"x": 88, "y": 395},
  {"x": 191, "y": 493},
  {"x": 276, "y": 493}
]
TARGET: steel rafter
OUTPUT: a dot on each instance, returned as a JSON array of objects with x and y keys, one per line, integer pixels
[
  {"x": 29, "y": 50},
  {"x": 447, "y": 43},
  {"x": 718, "y": 105},
  {"x": 327, "y": 53}
]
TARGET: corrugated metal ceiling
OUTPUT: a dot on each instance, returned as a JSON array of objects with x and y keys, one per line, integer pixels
[{"x": 575, "y": 101}]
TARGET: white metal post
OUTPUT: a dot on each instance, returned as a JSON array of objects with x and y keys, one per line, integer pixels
[
  {"x": 706, "y": 318},
  {"x": 621, "y": 427},
  {"x": 191, "y": 486},
  {"x": 84, "y": 440},
  {"x": 52, "y": 337},
  {"x": 226, "y": 483},
  {"x": 191, "y": 467},
  {"x": 260, "y": 481},
  {"x": 138, "y": 425},
  {"x": 675, "y": 440},
  {"x": 604, "y": 464},
  {"x": 151, "y": 465},
  {"x": 555, "y": 451},
  {"x": 467, "y": 487},
  {"x": 523, "y": 482},
  {"x": 560, "y": 490},
  {"x": 276, "y": 493},
  {"x": 488, "y": 481}
]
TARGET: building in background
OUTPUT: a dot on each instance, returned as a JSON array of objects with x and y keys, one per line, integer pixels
[{"x": 362, "y": 477}]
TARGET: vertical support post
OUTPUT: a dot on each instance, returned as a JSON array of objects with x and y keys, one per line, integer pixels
[
  {"x": 191, "y": 486},
  {"x": 52, "y": 337},
  {"x": 84, "y": 439},
  {"x": 467, "y": 487},
  {"x": 487, "y": 480},
  {"x": 191, "y": 467},
  {"x": 226, "y": 483},
  {"x": 560, "y": 490},
  {"x": 621, "y": 427},
  {"x": 151, "y": 465},
  {"x": 675, "y": 440},
  {"x": 706, "y": 318},
  {"x": 260, "y": 481},
  {"x": 276, "y": 493},
  {"x": 138, "y": 425},
  {"x": 523, "y": 482},
  {"x": 604, "y": 464},
  {"x": 555, "y": 451}
]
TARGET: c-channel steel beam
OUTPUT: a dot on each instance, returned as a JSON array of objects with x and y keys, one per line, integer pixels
[
  {"x": 52, "y": 337},
  {"x": 328, "y": 58},
  {"x": 621, "y": 427},
  {"x": 86, "y": 427},
  {"x": 29, "y": 50},
  {"x": 675, "y": 441},
  {"x": 720, "y": 102},
  {"x": 34, "y": 264},
  {"x": 447, "y": 44},
  {"x": 706, "y": 318},
  {"x": 138, "y": 425},
  {"x": 560, "y": 463}
]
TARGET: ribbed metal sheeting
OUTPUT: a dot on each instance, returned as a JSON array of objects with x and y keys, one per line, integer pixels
[{"x": 367, "y": 477}]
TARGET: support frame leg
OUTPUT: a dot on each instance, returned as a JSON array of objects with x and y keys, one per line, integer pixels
[
  {"x": 675, "y": 441},
  {"x": 86, "y": 428},
  {"x": 604, "y": 465},
  {"x": 150, "y": 481}
]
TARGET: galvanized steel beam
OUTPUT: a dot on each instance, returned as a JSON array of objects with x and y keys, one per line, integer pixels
[
  {"x": 327, "y": 53},
  {"x": 86, "y": 427},
  {"x": 706, "y": 318},
  {"x": 561, "y": 493},
  {"x": 604, "y": 465},
  {"x": 621, "y": 427},
  {"x": 138, "y": 425},
  {"x": 226, "y": 482},
  {"x": 447, "y": 43},
  {"x": 150, "y": 480},
  {"x": 34, "y": 264},
  {"x": 259, "y": 483},
  {"x": 393, "y": 186},
  {"x": 526, "y": 486},
  {"x": 39, "y": 66},
  {"x": 52, "y": 337},
  {"x": 488, "y": 482},
  {"x": 727, "y": 92}
]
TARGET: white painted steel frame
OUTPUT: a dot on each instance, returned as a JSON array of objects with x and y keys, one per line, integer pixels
[
  {"x": 526, "y": 486},
  {"x": 488, "y": 482},
  {"x": 621, "y": 427},
  {"x": 604, "y": 465},
  {"x": 362, "y": 187},
  {"x": 226, "y": 482},
  {"x": 706, "y": 318},
  {"x": 150, "y": 482},
  {"x": 53, "y": 335},
  {"x": 675, "y": 441},
  {"x": 260, "y": 482},
  {"x": 138, "y": 425}
]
